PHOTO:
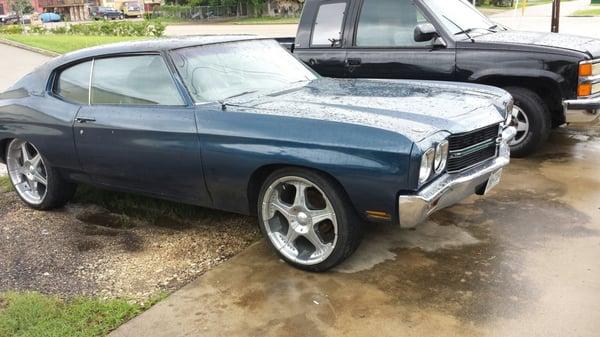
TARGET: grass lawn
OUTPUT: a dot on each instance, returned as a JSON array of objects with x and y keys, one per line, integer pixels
[
  {"x": 594, "y": 10},
  {"x": 33, "y": 314},
  {"x": 5, "y": 185},
  {"x": 65, "y": 43}
]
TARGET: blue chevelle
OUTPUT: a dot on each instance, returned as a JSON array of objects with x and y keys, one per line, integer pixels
[{"x": 237, "y": 123}]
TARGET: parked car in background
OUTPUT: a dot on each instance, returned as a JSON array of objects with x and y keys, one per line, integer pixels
[
  {"x": 131, "y": 9},
  {"x": 238, "y": 124},
  {"x": 9, "y": 19},
  {"x": 50, "y": 17},
  {"x": 105, "y": 13},
  {"x": 554, "y": 78}
]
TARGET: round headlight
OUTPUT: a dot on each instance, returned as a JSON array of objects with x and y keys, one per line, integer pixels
[
  {"x": 441, "y": 156},
  {"x": 426, "y": 165}
]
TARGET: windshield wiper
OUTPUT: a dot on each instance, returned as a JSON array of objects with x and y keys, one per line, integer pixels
[
  {"x": 462, "y": 31},
  {"x": 224, "y": 102}
]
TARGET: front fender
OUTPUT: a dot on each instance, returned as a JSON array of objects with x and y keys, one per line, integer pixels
[{"x": 371, "y": 165}]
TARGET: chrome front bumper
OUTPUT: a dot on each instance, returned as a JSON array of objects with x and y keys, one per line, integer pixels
[
  {"x": 451, "y": 189},
  {"x": 585, "y": 110}
]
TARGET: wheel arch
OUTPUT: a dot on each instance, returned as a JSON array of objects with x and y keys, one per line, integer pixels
[
  {"x": 3, "y": 147},
  {"x": 260, "y": 175},
  {"x": 547, "y": 88}
]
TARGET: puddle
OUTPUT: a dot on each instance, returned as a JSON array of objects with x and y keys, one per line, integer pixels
[{"x": 383, "y": 242}]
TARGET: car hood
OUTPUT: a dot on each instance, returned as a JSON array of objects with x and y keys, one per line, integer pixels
[
  {"x": 415, "y": 109},
  {"x": 588, "y": 45}
]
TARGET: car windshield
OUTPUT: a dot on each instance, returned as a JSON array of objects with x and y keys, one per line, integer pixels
[
  {"x": 459, "y": 16},
  {"x": 226, "y": 70}
]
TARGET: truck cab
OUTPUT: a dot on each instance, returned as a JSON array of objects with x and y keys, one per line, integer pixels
[{"x": 554, "y": 78}]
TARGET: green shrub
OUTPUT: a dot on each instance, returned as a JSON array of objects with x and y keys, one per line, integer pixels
[
  {"x": 117, "y": 28},
  {"x": 11, "y": 29},
  {"x": 38, "y": 30}
]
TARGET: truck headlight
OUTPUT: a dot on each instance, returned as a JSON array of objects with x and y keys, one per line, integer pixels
[
  {"x": 426, "y": 165},
  {"x": 441, "y": 156}
]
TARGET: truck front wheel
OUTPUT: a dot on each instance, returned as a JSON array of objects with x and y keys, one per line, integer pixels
[{"x": 531, "y": 118}]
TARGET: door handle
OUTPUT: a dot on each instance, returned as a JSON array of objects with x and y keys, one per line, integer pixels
[
  {"x": 83, "y": 120},
  {"x": 354, "y": 62}
]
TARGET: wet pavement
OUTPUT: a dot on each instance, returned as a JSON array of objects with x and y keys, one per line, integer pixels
[{"x": 521, "y": 262}]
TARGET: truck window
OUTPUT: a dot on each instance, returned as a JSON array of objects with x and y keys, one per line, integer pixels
[
  {"x": 388, "y": 23},
  {"x": 328, "y": 25}
]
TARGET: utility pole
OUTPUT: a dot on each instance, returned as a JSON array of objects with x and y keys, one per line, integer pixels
[{"x": 555, "y": 16}]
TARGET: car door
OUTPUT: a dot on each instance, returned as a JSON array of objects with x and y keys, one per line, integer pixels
[
  {"x": 138, "y": 133},
  {"x": 324, "y": 52},
  {"x": 383, "y": 44}
]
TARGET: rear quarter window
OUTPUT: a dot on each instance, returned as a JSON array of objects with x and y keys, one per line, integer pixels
[{"x": 73, "y": 83}]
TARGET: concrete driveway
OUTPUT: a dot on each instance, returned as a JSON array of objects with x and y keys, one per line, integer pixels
[{"x": 520, "y": 262}]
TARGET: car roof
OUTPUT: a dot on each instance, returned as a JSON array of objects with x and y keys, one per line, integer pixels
[{"x": 153, "y": 45}]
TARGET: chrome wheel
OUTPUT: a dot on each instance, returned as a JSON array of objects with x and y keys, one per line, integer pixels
[
  {"x": 521, "y": 123},
  {"x": 27, "y": 171},
  {"x": 299, "y": 220}
]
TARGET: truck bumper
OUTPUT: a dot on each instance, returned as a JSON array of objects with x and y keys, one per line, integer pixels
[
  {"x": 451, "y": 189},
  {"x": 584, "y": 110}
]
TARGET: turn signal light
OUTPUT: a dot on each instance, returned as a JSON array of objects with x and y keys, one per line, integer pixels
[
  {"x": 585, "y": 69},
  {"x": 584, "y": 89}
]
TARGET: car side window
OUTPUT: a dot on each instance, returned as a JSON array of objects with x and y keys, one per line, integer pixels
[
  {"x": 327, "y": 30},
  {"x": 389, "y": 23},
  {"x": 73, "y": 83},
  {"x": 133, "y": 80}
]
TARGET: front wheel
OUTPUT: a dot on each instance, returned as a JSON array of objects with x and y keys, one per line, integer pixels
[
  {"x": 531, "y": 117},
  {"x": 307, "y": 219},
  {"x": 39, "y": 185}
]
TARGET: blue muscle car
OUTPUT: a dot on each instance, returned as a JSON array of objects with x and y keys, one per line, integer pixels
[{"x": 237, "y": 123}]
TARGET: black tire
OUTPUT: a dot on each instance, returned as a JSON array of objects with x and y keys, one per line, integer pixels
[
  {"x": 540, "y": 121},
  {"x": 59, "y": 191},
  {"x": 350, "y": 229}
]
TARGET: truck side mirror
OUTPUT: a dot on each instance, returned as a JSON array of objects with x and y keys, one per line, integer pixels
[{"x": 425, "y": 32}]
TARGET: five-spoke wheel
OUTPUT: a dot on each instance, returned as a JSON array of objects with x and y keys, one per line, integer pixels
[
  {"x": 307, "y": 220},
  {"x": 36, "y": 183},
  {"x": 27, "y": 171},
  {"x": 521, "y": 122}
]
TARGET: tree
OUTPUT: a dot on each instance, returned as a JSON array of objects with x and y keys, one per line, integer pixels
[{"x": 21, "y": 7}]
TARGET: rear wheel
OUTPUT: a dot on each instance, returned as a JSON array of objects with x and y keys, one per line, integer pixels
[
  {"x": 531, "y": 118},
  {"x": 37, "y": 184},
  {"x": 307, "y": 219}
]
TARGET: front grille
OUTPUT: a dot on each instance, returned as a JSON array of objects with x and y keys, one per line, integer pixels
[
  {"x": 464, "y": 140},
  {"x": 469, "y": 149}
]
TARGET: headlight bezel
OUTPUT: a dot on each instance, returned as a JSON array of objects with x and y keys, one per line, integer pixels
[
  {"x": 441, "y": 151},
  {"x": 426, "y": 167},
  {"x": 434, "y": 161}
]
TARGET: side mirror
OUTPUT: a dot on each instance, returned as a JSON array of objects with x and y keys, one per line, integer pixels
[{"x": 425, "y": 32}]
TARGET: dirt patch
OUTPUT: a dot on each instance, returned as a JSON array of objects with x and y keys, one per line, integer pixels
[{"x": 88, "y": 250}]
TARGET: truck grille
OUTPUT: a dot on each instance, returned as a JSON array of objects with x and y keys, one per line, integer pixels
[{"x": 472, "y": 148}]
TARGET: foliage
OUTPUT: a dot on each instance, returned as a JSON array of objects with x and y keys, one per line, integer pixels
[
  {"x": 11, "y": 29},
  {"x": 34, "y": 314},
  {"x": 65, "y": 43},
  {"x": 151, "y": 28},
  {"x": 21, "y": 7},
  {"x": 5, "y": 185}
]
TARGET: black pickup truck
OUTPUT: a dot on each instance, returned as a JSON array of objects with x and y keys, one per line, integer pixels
[{"x": 554, "y": 78}]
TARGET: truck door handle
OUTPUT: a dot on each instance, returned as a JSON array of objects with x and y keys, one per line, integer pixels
[
  {"x": 354, "y": 62},
  {"x": 83, "y": 120}
]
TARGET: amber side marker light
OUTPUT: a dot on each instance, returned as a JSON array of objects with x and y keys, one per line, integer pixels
[
  {"x": 584, "y": 89},
  {"x": 379, "y": 215},
  {"x": 585, "y": 69}
]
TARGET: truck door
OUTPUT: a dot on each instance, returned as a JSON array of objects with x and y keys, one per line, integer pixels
[
  {"x": 383, "y": 44},
  {"x": 321, "y": 32}
]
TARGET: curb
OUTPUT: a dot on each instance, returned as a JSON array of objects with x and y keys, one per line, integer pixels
[{"x": 29, "y": 48}]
